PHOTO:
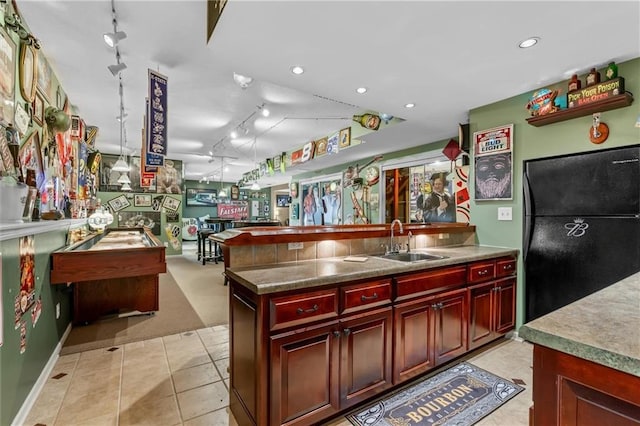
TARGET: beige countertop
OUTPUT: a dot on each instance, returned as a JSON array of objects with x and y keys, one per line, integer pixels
[
  {"x": 273, "y": 278},
  {"x": 603, "y": 327}
]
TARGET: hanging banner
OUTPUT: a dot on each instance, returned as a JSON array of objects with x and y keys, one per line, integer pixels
[
  {"x": 151, "y": 161},
  {"x": 157, "y": 117}
]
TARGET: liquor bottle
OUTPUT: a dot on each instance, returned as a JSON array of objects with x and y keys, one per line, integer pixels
[
  {"x": 593, "y": 77},
  {"x": 368, "y": 121},
  {"x": 574, "y": 83},
  {"x": 612, "y": 71}
]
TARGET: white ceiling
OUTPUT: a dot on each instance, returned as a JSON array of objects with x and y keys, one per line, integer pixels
[{"x": 447, "y": 57}]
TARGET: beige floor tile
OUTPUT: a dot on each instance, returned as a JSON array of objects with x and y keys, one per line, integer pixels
[
  {"x": 222, "y": 417},
  {"x": 153, "y": 412},
  {"x": 110, "y": 419},
  {"x": 90, "y": 405},
  {"x": 219, "y": 351},
  {"x": 199, "y": 401},
  {"x": 189, "y": 357},
  {"x": 194, "y": 377},
  {"x": 98, "y": 382},
  {"x": 146, "y": 388},
  {"x": 223, "y": 365}
]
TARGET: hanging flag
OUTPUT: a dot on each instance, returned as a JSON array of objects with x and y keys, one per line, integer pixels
[{"x": 157, "y": 117}]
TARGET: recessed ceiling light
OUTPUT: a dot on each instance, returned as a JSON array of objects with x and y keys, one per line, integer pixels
[
  {"x": 410, "y": 105},
  {"x": 361, "y": 90},
  {"x": 530, "y": 42},
  {"x": 297, "y": 70}
]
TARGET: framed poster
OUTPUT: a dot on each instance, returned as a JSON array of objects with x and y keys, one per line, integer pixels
[
  {"x": 44, "y": 76},
  {"x": 28, "y": 72},
  {"x": 38, "y": 108},
  {"x": 119, "y": 203},
  {"x": 202, "y": 197},
  {"x": 171, "y": 204},
  {"x": 142, "y": 200},
  {"x": 7, "y": 76},
  {"x": 345, "y": 137},
  {"x": 493, "y": 149},
  {"x": 30, "y": 155}
]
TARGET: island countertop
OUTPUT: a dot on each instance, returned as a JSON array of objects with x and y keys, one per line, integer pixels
[
  {"x": 271, "y": 278},
  {"x": 603, "y": 327}
]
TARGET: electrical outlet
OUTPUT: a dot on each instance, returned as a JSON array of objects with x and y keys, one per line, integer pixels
[
  {"x": 58, "y": 310},
  {"x": 504, "y": 213},
  {"x": 295, "y": 246}
]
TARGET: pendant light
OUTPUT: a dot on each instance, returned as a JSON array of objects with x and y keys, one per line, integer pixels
[
  {"x": 121, "y": 165},
  {"x": 222, "y": 193},
  {"x": 255, "y": 186}
]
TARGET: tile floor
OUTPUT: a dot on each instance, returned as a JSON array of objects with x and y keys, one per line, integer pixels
[{"x": 182, "y": 379}]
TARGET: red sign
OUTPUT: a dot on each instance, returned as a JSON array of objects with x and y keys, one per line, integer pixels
[{"x": 233, "y": 211}]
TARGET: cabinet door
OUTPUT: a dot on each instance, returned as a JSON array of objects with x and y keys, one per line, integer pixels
[
  {"x": 505, "y": 305},
  {"x": 304, "y": 375},
  {"x": 481, "y": 315},
  {"x": 365, "y": 356},
  {"x": 413, "y": 332},
  {"x": 450, "y": 321}
]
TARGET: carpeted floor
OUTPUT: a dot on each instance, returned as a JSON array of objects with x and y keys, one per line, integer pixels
[{"x": 192, "y": 296}]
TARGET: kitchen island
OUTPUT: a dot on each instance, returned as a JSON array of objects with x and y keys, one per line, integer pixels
[
  {"x": 586, "y": 359},
  {"x": 311, "y": 339}
]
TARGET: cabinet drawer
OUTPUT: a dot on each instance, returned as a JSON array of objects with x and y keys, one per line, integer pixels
[
  {"x": 429, "y": 282},
  {"x": 298, "y": 309},
  {"x": 366, "y": 295},
  {"x": 505, "y": 267},
  {"x": 481, "y": 271}
]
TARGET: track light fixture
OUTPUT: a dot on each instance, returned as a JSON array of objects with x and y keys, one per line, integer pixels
[
  {"x": 118, "y": 67},
  {"x": 242, "y": 80},
  {"x": 264, "y": 110},
  {"x": 112, "y": 39}
]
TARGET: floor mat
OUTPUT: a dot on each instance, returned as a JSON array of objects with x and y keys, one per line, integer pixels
[{"x": 460, "y": 396}]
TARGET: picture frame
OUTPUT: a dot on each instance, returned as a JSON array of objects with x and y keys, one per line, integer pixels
[
  {"x": 28, "y": 72},
  {"x": 283, "y": 200},
  {"x": 142, "y": 200},
  {"x": 119, "y": 203},
  {"x": 7, "y": 76},
  {"x": 202, "y": 197},
  {"x": 61, "y": 98},
  {"x": 38, "y": 108},
  {"x": 44, "y": 76},
  {"x": 345, "y": 137},
  {"x": 171, "y": 204},
  {"x": 493, "y": 152},
  {"x": 30, "y": 154}
]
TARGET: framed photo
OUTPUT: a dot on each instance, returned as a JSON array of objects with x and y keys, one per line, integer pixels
[
  {"x": 38, "y": 108},
  {"x": 61, "y": 98},
  {"x": 321, "y": 147},
  {"x": 7, "y": 76},
  {"x": 30, "y": 155},
  {"x": 28, "y": 72},
  {"x": 119, "y": 203},
  {"x": 345, "y": 137},
  {"x": 493, "y": 149},
  {"x": 44, "y": 76},
  {"x": 202, "y": 197},
  {"x": 283, "y": 200},
  {"x": 171, "y": 204},
  {"x": 142, "y": 200}
]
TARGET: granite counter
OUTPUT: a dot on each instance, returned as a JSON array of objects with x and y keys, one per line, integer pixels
[
  {"x": 312, "y": 273},
  {"x": 603, "y": 327}
]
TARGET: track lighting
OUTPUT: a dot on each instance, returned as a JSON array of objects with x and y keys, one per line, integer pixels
[
  {"x": 112, "y": 39},
  {"x": 264, "y": 110},
  {"x": 242, "y": 80},
  {"x": 117, "y": 68}
]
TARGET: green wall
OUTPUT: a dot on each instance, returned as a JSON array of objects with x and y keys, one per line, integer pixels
[
  {"x": 535, "y": 142},
  {"x": 19, "y": 372}
]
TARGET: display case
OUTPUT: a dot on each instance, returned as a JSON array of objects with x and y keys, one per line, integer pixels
[{"x": 112, "y": 273}]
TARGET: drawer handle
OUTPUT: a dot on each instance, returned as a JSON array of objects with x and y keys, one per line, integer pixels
[
  {"x": 507, "y": 267},
  {"x": 301, "y": 311},
  {"x": 483, "y": 272},
  {"x": 336, "y": 333},
  {"x": 365, "y": 298},
  {"x": 347, "y": 331}
]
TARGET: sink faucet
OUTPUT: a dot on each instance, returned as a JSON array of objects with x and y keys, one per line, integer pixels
[{"x": 392, "y": 248}]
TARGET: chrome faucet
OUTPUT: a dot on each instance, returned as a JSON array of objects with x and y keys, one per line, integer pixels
[{"x": 392, "y": 248}]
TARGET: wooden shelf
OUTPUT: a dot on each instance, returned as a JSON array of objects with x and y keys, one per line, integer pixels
[{"x": 615, "y": 102}]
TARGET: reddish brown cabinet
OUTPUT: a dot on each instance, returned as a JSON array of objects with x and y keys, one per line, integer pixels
[
  {"x": 492, "y": 302},
  {"x": 301, "y": 356}
]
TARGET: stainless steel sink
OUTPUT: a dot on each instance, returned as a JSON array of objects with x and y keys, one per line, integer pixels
[{"x": 411, "y": 256}]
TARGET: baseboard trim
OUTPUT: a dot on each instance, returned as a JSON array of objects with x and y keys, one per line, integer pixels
[
  {"x": 513, "y": 335},
  {"x": 27, "y": 405}
]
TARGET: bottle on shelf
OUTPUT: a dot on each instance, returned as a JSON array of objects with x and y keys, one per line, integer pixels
[
  {"x": 593, "y": 77},
  {"x": 574, "y": 83},
  {"x": 612, "y": 71},
  {"x": 368, "y": 121}
]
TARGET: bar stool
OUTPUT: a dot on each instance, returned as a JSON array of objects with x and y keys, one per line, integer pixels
[{"x": 203, "y": 239}]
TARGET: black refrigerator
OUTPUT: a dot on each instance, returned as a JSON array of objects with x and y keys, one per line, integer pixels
[{"x": 581, "y": 225}]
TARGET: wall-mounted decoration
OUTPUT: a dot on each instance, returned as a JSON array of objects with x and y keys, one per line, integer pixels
[
  {"x": 139, "y": 219},
  {"x": 44, "y": 76},
  {"x": 283, "y": 200},
  {"x": 345, "y": 137},
  {"x": 142, "y": 200},
  {"x": 493, "y": 163},
  {"x": 119, "y": 203},
  {"x": 332, "y": 143},
  {"x": 29, "y": 154},
  {"x": 7, "y": 76},
  {"x": 28, "y": 72},
  {"x": 61, "y": 98},
  {"x": 171, "y": 204},
  {"x": 38, "y": 108},
  {"x": 202, "y": 197},
  {"x": 321, "y": 147}
]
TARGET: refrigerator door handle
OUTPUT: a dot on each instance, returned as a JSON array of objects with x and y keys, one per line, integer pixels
[{"x": 527, "y": 222}]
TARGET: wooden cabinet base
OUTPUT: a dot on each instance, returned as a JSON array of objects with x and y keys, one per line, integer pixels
[
  {"x": 573, "y": 391},
  {"x": 95, "y": 299}
]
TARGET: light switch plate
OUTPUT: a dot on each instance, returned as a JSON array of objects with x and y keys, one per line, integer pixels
[{"x": 505, "y": 213}]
